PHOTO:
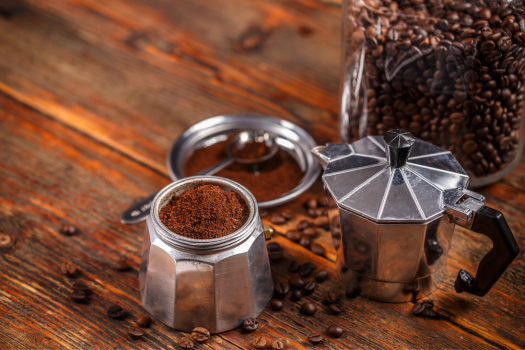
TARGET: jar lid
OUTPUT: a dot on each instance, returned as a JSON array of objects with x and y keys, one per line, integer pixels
[
  {"x": 396, "y": 178},
  {"x": 288, "y": 136}
]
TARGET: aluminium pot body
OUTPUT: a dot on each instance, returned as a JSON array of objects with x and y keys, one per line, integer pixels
[{"x": 214, "y": 283}]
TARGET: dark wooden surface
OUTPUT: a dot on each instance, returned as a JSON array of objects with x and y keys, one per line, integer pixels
[{"x": 93, "y": 93}]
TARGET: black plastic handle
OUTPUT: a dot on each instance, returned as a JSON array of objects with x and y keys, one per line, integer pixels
[{"x": 491, "y": 223}]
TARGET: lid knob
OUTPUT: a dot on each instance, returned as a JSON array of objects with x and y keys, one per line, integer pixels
[{"x": 398, "y": 143}]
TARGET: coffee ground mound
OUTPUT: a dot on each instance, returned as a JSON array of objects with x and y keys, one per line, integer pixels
[
  {"x": 205, "y": 212},
  {"x": 252, "y": 150}
]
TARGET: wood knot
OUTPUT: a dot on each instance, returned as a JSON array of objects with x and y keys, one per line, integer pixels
[
  {"x": 6, "y": 240},
  {"x": 252, "y": 39}
]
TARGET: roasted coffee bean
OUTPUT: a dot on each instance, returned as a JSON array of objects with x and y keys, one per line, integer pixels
[
  {"x": 321, "y": 276},
  {"x": 334, "y": 331},
  {"x": 281, "y": 289},
  {"x": 429, "y": 313},
  {"x": 317, "y": 249},
  {"x": 115, "y": 311},
  {"x": 418, "y": 309},
  {"x": 321, "y": 220},
  {"x": 330, "y": 297},
  {"x": 305, "y": 241},
  {"x": 80, "y": 286},
  {"x": 296, "y": 295},
  {"x": 323, "y": 202},
  {"x": 263, "y": 213},
  {"x": 306, "y": 269},
  {"x": 315, "y": 338},
  {"x": 78, "y": 296},
  {"x": 143, "y": 321},
  {"x": 303, "y": 224},
  {"x": 186, "y": 343},
  {"x": 335, "y": 309},
  {"x": 297, "y": 283},
  {"x": 121, "y": 265},
  {"x": 311, "y": 203},
  {"x": 260, "y": 343},
  {"x": 68, "y": 268},
  {"x": 201, "y": 334},
  {"x": 294, "y": 266},
  {"x": 277, "y": 345},
  {"x": 250, "y": 324},
  {"x": 308, "y": 309},
  {"x": 275, "y": 255},
  {"x": 443, "y": 314},
  {"x": 277, "y": 219},
  {"x": 287, "y": 214},
  {"x": 68, "y": 230},
  {"x": 293, "y": 235},
  {"x": 276, "y": 305},
  {"x": 309, "y": 287},
  {"x": 135, "y": 333},
  {"x": 428, "y": 303},
  {"x": 353, "y": 291},
  {"x": 273, "y": 246},
  {"x": 310, "y": 231},
  {"x": 316, "y": 212}
]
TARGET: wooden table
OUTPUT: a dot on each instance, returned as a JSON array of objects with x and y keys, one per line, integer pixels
[{"x": 92, "y": 95}]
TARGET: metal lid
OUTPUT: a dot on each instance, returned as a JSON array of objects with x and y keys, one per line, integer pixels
[
  {"x": 288, "y": 136},
  {"x": 403, "y": 182}
]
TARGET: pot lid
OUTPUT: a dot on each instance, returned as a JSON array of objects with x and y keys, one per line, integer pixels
[{"x": 395, "y": 178}]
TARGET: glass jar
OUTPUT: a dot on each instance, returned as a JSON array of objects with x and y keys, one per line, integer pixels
[{"x": 449, "y": 71}]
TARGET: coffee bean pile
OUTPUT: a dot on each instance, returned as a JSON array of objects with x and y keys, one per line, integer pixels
[
  {"x": 425, "y": 309},
  {"x": 450, "y": 72}
]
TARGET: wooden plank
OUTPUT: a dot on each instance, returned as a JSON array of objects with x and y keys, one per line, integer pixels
[{"x": 53, "y": 175}]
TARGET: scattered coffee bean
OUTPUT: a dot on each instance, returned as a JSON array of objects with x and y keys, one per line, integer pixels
[
  {"x": 250, "y": 324},
  {"x": 296, "y": 295},
  {"x": 294, "y": 266},
  {"x": 277, "y": 220},
  {"x": 135, "y": 333},
  {"x": 143, "y": 321},
  {"x": 276, "y": 305},
  {"x": 281, "y": 289},
  {"x": 317, "y": 249},
  {"x": 310, "y": 203},
  {"x": 305, "y": 241},
  {"x": 277, "y": 345},
  {"x": 287, "y": 214},
  {"x": 330, "y": 297},
  {"x": 275, "y": 255},
  {"x": 353, "y": 291},
  {"x": 68, "y": 268},
  {"x": 121, "y": 265},
  {"x": 334, "y": 331},
  {"x": 321, "y": 276},
  {"x": 259, "y": 343},
  {"x": 78, "y": 296},
  {"x": 418, "y": 309},
  {"x": 309, "y": 287},
  {"x": 429, "y": 313},
  {"x": 201, "y": 334},
  {"x": 335, "y": 309},
  {"x": 80, "y": 286},
  {"x": 310, "y": 231},
  {"x": 443, "y": 314},
  {"x": 308, "y": 309},
  {"x": 297, "y": 283},
  {"x": 68, "y": 230},
  {"x": 315, "y": 338},
  {"x": 115, "y": 311},
  {"x": 429, "y": 304},
  {"x": 293, "y": 235},
  {"x": 321, "y": 220},
  {"x": 303, "y": 224},
  {"x": 306, "y": 269},
  {"x": 273, "y": 247},
  {"x": 263, "y": 213},
  {"x": 185, "y": 343}
]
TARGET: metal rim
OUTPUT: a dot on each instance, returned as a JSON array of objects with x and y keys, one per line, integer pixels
[
  {"x": 226, "y": 122},
  {"x": 208, "y": 245}
]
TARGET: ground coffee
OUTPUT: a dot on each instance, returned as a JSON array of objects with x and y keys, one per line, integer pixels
[
  {"x": 266, "y": 181},
  {"x": 205, "y": 212},
  {"x": 252, "y": 150}
]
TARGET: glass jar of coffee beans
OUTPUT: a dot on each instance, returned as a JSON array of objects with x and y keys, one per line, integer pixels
[{"x": 449, "y": 71}]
